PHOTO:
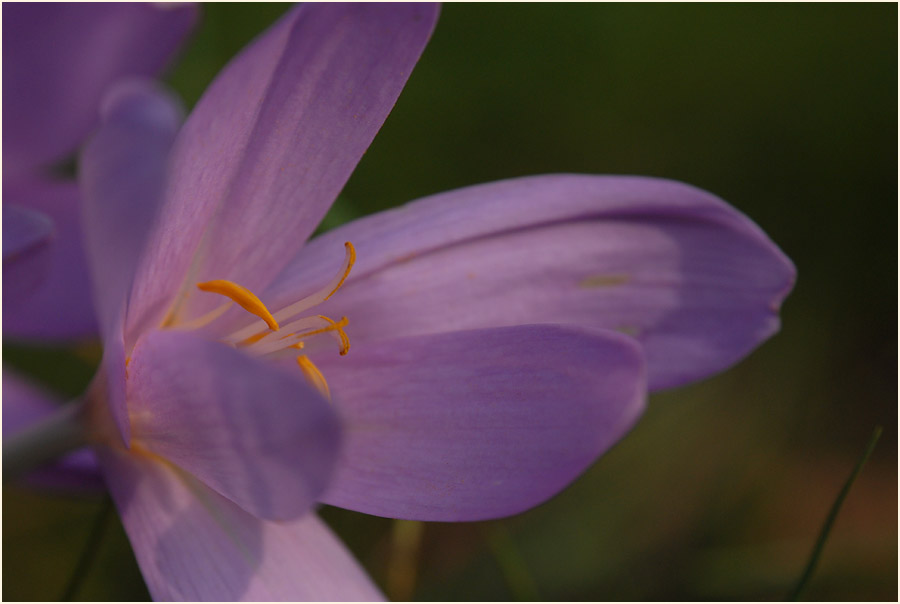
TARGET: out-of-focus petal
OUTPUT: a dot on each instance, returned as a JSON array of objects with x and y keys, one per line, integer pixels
[
  {"x": 61, "y": 307},
  {"x": 257, "y": 435},
  {"x": 193, "y": 544},
  {"x": 274, "y": 139},
  {"x": 695, "y": 281},
  {"x": 27, "y": 239},
  {"x": 25, "y": 404},
  {"x": 122, "y": 174},
  {"x": 478, "y": 424},
  {"x": 23, "y": 230},
  {"x": 58, "y": 60}
]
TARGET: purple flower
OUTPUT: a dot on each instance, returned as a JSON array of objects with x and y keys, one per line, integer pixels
[
  {"x": 58, "y": 61},
  {"x": 503, "y": 335}
]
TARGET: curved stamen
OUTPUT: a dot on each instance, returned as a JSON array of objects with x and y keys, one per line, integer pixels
[
  {"x": 314, "y": 376},
  {"x": 325, "y": 292},
  {"x": 242, "y": 296},
  {"x": 339, "y": 331}
]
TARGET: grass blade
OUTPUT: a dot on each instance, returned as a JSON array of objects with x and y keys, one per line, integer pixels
[{"x": 832, "y": 515}]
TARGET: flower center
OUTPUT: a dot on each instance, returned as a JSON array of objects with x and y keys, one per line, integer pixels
[{"x": 286, "y": 331}]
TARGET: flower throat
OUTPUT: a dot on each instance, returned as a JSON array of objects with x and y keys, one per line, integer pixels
[{"x": 284, "y": 332}]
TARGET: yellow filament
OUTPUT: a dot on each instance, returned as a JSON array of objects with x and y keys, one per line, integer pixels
[
  {"x": 314, "y": 376},
  {"x": 242, "y": 296},
  {"x": 351, "y": 252}
]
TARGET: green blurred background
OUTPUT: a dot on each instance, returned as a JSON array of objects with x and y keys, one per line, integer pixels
[{"x": 789, "y": 112}]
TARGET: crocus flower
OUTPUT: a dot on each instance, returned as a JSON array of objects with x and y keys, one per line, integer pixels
[
  {"x": 503, "y": 335},
  {"x": 58, "y": 59}
]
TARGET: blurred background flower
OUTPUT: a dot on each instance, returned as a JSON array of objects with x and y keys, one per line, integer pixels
[
  {"x": 786, "y": 111},
  {"x": 74, "y": 52}
]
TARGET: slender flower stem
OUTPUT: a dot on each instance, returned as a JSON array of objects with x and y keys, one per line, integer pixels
[
  {"x": 44, "y": 441},
  {"x": 89, "y": 553},
  {"x": 832, "y": 515}
]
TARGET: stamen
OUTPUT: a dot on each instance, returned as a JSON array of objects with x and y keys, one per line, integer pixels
[
  {"x": 338, "y": 328},
  {"x": 242, "y": 296},
  {"x": 319, "y": 296},
  {"x": 266, "y": 336},
  {"x": 349, "y": 261},
  {"x": 314, "y": 376},
  {"x": 259, "y": 338},
  {"x": 299, "y": 330},
  {"x": 309, "y": 301}
]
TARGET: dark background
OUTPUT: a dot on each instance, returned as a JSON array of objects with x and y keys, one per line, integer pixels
[{"x": 789, "y": 112}]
